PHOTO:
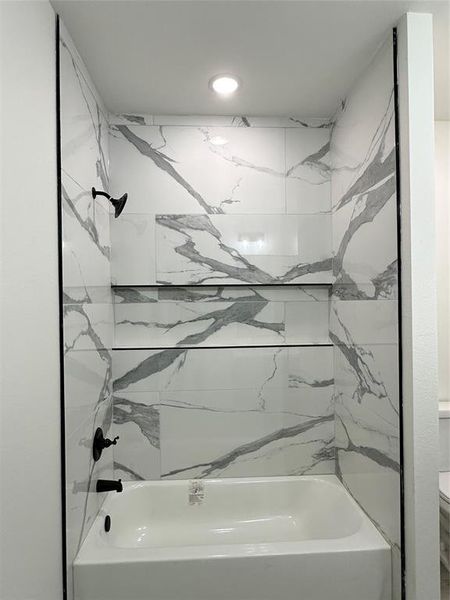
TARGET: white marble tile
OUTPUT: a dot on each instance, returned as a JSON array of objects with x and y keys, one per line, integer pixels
[
  {"x": 88, "y": 325},
  {"x": 249, "y": 412},
  {"x": 102, "y": 218},
  {"x": 87, "y": 299},
  {"x": 364, "y": 258},
  {"x": 375, "y": 488},
  {"x": 137, "y": 423},
  {"x": 167, "y": 324},
  {"x": 82, "y": 501},
  {"x": 367, "y": 428},
  {"x": 239, "y": 437},
  {"x": 131, "y": 119},
  {"x": 133, "y": 249},
  {"x": 199, "y": 369},
  {"x": 229, "y": 316},
  {"x": 86, "y": 385},
  {"x": 308, "y": 171},
  {"x": 307, "y": 322},
  {"x": 221, "y": 121},
  {"x": 365, "y": 321},
  {"x": 85, "y": 256},
  {"x": 199, "y": 249},
  {"x": 311, "y": 369},
  {"x": 259, "y": 235},
  {"x": 314, "y": 235},
  {"x": 364, "y": 311},
  {"x": 199, "y": 120},
  {"x": 181, "y": 170},
  {"x": 135, "y": 295},
  {"x": 363, "y": 178}
]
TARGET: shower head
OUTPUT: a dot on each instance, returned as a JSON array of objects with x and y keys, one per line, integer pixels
[{"x": 118, "y": 203}]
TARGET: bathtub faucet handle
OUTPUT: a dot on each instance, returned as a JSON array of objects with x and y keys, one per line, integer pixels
[
  {"x": 113, "y": 442},
  {"x": 100, "y": 443}
]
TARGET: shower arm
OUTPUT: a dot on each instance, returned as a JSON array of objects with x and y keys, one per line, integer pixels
[
  {"x": 118, "y": 203},
  {"x": 97, "y": 193}
]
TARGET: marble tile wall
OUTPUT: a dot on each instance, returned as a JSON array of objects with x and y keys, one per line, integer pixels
[
  {"x": 87, "y": 301},
  {"x": 221, "y": 200},
  {"x": 221, "y": 316},
  {"x": 364, "y": 305},
  {"x": 223, "y": 412},
  {"x": 213, "y": 201}
]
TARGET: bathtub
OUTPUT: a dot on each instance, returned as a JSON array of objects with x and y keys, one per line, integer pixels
[{"x": 271, "y": 538}]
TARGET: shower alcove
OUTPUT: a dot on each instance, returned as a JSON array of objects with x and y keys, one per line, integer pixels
[{"x": 238, "y": 321}]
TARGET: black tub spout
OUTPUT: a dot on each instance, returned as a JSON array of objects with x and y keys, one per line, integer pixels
[{"x": 108, "y": 485}]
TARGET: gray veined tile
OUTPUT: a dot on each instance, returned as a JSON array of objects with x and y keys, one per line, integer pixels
[
  {"x": 239, "y": 438},
  {"x": 137, "y": 422},
  {"x": 82, "y": 502},
  {"x": 365, "y": 321},
  {"x": 359, "y": 257},
  {"x": 364, "y": 311},
  {"x": 199, "y": 369},
  {"x": 135, "y": 294},
  {"x": 308, "y": 170},
  {"x": 375, "y": 487},
  {"x": 87, "y": 385},
  {"x": 84, "y": 128},
  {"x": 212, "y": 249},
  {"x": 88, "y": 325},
  {"x": 85, "y": 255},
  {"x": 383, "y": 286},
  {"x": 219, "y": 121},
  {"x": 102, "y": 226},
  {"x": 183, "y": 170},
  {"x": 131, "y": 119},
  {"x": 87, "y": 299},
  {"x": 311, "y": 369},
  {"x": 169, "y": 324}
]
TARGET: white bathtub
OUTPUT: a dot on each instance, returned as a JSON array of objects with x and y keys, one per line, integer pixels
[{"x": 274, "y": 538}]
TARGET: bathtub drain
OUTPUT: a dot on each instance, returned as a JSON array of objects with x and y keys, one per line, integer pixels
[{"x": 107, "y": 523}]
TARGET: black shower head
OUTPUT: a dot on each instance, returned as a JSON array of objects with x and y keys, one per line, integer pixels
[{"x": 118, "y": 203}]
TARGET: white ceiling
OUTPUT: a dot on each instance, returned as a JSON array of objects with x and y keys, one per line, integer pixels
[{"x": 294, "y": 57}]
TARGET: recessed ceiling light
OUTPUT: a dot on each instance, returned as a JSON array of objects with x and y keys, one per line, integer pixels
[{"x": 224, "y": 85}]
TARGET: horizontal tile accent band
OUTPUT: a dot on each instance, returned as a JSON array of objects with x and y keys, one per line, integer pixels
[
  {"x": 215, "y": 285},
  {"x": 223, "y": 347}
]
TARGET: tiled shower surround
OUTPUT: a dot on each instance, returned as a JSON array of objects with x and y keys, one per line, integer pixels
[
  {"x": 214, "y": 204},
  {"x": 253, "y": 312},
  {"x": 364, "y": 305},
  {"x": 214, "y": 354},
  {"x": 87, "y": 300}
]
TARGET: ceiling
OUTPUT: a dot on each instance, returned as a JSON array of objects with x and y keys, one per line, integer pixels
[{"x": 294, "y": 57}]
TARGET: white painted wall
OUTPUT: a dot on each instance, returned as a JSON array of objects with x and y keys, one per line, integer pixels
[
  {"x": 419, "y": 335},
  {"x": 442, "y": 196},
  {"x": 30, "y": 534}
]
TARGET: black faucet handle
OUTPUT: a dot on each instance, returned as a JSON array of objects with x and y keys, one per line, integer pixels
[
  {"x": 108, "y": 443},
  {"x": 100, "y": 443}
]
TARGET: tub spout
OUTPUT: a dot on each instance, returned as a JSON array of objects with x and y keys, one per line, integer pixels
[{"x": 107, "y": 485}]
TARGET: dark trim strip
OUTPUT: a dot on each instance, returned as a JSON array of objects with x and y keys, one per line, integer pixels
[
  {"x": 399, "y": 313},
  {"x": 61, "y": 317},
  {"x": 219, "y": 285},
  {"x": 235, "y": 347}
]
